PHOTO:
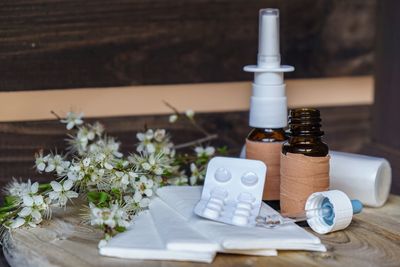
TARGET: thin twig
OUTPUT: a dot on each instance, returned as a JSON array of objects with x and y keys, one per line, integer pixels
[
  {"x": 191, "y": 120},
  {"x": 55, "y": 114},
  {"x": 197, "y": 141},
  {"x": 176, "y": 111}
]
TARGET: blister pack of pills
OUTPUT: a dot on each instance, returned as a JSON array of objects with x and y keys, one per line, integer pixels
[{"x": 232, "y": 191}]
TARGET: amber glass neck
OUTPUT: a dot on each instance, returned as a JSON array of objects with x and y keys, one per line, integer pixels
[{"x": 305, "y": 123}]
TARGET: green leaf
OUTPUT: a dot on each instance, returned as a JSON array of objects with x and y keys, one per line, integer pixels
[
  {"x": 44, "y": 187},
  {"x": 222, "y": 150},
  {"x": 98, "y": 198},
  {"x": 5, "y": 209},
  {"x": 10, "y": 200},
  {"x": 120, "y": 229}
]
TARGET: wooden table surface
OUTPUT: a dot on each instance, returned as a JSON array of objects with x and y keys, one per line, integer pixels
[{"x": 372, "y": 239}]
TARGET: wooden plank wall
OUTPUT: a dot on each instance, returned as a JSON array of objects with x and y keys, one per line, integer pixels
[
  {"x": 347, "y": 129},
  {"x": 47, "y": 44}
]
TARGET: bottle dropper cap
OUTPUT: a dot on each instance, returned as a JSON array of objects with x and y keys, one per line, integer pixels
[
  {"x": 340, "y": 210},
  {"x": 268, "y": 104}
]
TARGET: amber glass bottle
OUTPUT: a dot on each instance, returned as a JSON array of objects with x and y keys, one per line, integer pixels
[
  {"x": 265, "y": 144},
  {"x": 305, "y": 133},
  {"x": 267, "y": 135}
]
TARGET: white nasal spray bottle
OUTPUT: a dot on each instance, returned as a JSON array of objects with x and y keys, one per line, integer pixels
[{"x": 268, "y": 104}]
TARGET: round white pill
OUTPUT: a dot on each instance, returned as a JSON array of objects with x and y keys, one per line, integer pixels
[
  {"x": 216, "y": 200},
  {"x": 246, "y": 197},
  {"x": 210, "y": 213},
  {"x": 222, "y": 175},
  {"x": 213, "y": 205},
  {"x": 219, "y": 192},
  {"x": 244, "y": 212},
  {"x": 243, "y": 205},
  {"x": 239, "y": 220},
  {"x": 249, "y": 178}
]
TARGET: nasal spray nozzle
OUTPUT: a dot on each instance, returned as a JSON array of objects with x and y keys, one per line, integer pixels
[{"x": 268, "y": 107}]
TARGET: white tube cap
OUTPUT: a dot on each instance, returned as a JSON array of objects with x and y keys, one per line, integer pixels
[
  {"x": 361, "y": 177},
  {"x": 342, "y": 211}
]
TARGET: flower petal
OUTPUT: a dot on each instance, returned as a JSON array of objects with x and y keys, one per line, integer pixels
[
  {"x": 57, "y": 187},
  {"x": 54, "y": 195},
  {"x": 67, "y": 185},
  {"x": 25, "y": 212},
  {"x": 27, "y": 200},
  {"x": 71, "y": 194},
  {"x": 41, "y": 166},
  {"x": 35, "y": 187},
  {"x": 37, "y": 216},
  {"x": 18, "y": 222},
  {"x": 38, "y": 200}
]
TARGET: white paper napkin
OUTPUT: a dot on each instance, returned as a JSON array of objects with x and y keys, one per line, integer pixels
[
  {"x": 143, "y": 242},
  {"x": 287, "y": 237}
]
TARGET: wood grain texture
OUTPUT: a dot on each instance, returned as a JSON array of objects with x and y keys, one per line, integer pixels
[
  {"x": 373, "y": 239},
  {"x": 346, "y": 128},
  {"x": 74, "y": 43}
]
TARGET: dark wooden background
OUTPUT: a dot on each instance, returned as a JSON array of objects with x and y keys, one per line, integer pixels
[
  {"x": 50, "y": 44},
  {"x": 47, "y": 44},
  {"x": 73, "y": 43}
]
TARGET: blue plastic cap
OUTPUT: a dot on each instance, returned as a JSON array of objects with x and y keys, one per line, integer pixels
[{"x": 357, "y": 206}]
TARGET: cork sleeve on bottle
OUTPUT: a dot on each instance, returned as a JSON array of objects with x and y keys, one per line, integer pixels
[
  {"x": 300, "y": 177},
  {"x": 269, "y": 153}
]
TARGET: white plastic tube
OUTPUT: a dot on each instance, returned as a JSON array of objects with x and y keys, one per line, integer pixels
[
  {"x": 361, "y": 177},
  {"x": 365, "y": 178}
]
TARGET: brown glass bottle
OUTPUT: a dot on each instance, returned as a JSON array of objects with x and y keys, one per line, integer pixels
[
  {"x": 260, "y": 137},
  {"x": 267, "y": 135},
  {"x": 305, "y": 133}
]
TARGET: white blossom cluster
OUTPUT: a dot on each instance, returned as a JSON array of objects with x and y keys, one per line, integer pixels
[
  {"x": 116, "y": 186},
  {"x": 30, "y": 203}
]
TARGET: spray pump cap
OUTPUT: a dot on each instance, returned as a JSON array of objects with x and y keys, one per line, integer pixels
[{"x": 268, "y": 104}]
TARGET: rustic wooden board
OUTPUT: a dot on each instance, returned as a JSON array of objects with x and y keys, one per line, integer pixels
[
  {"x": 373, "y": 239},
  {"x": 51, "y": 44}
]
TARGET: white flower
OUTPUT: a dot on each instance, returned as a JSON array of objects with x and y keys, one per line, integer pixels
[
  {"x": 57, "y": 163},
  {"x": 105, "y": 148},
  {"x": 189, "y": 113},
  {"x": 111, "y": 217},
  {"x": 201, "y": 151},
  {"x": 173, "y": 118},
  {"x": 159, "y": 135},
  {"x": 62, "y": 192},
  {"x": 40, "y": 161},
  {"x": 17, "y": 222},
  {"x": 75, "y": 172},
  {"x": 196, "y": 174},
  {"x": 182, "y": 180},
  {"x": 19, "y": 190},
  {"x": 84, "y": 134},
  {"x": 86, "y": 162},
  {"x": 97, "y": 128},
  {"x": 144, "y": 186},
  {"x": 121, "y": 180},
  {"x": 146, "y": 144},
  {"x": 72, "y": 120},
  {"x": 32, "y": 207}
]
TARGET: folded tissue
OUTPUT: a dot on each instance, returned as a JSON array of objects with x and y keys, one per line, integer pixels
[{"x": 170, "y": 230}]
